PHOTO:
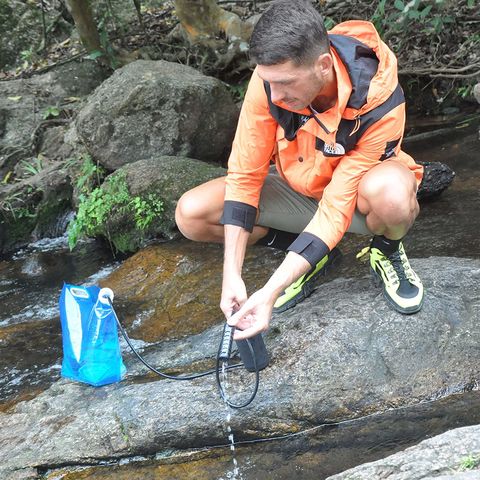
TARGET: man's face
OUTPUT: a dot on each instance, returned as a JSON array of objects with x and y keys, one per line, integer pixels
[{"x": 294, "y": 87}]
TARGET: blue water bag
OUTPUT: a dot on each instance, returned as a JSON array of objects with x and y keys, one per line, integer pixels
[{"x": 91, "y": 351}]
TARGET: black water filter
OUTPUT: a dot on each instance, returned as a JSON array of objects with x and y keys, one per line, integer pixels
[{"x": 259, "y": 350}]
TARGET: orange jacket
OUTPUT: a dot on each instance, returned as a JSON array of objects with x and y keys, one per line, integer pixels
[{"x": 323, "y": 157}]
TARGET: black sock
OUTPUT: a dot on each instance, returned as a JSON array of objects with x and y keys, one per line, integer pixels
[
  {"x": 385, "y": 245},
  {"x": 277, "y": 239}
]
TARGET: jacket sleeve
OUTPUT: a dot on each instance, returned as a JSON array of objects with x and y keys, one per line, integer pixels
[
  {"x": 337, "y": 205},
  {"x": 249, "y": 161}
]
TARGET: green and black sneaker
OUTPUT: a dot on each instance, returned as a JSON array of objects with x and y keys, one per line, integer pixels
[
  {"x": 402, "y": 287},
  {"x": 305, "y": 285}
]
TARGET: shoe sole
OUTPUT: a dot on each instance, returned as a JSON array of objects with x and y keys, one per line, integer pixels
[
  {"x": 309, "y": 287},
  {"x": 378, "y": 282}
]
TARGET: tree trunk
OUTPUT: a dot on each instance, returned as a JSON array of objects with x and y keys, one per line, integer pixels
[
  {"x": 203, "y": 20},
  {"x": 85, "y": 24},
  {"x": 199, "y": 18}
]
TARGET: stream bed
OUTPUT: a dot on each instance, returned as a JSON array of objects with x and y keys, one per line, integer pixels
[{"x": 30, "y": 346}]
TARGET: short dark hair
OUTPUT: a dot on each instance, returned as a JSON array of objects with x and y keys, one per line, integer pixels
[{"x": 289, "y": 30}]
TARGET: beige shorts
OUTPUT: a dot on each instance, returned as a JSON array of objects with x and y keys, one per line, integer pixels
[{"x": 283, "y": 208}]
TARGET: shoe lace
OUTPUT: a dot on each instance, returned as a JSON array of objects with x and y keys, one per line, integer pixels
[
  {"x": 397, "y": 265},
  {"x": 394, "y": 266}
]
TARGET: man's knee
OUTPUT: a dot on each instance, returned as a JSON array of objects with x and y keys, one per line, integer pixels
[
  {"x": 187, "y": 214},
  {"x": 389, "y": 193},
  {"x": 199, "y": 210}
]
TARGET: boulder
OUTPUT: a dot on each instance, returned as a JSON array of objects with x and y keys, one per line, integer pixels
[
  {"x": 340, "y": 355},
  {"x": 31, "y": 208},
  {"x": 24, "y": 102},
  {"x": 21, "y": 28},
  {"x": 159, "y": 180},
  {"x": 151, "y": 108},
  {"x": 437, "y": 177},
  {"x": 444, "y": 457}
]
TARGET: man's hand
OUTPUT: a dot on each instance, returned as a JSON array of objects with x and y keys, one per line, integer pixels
[
  {"x": 234, "y": 294},
  {"x": 254, "y": 316}
]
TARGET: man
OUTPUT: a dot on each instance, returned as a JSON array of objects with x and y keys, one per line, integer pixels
[{"x": 328, "y": 110}]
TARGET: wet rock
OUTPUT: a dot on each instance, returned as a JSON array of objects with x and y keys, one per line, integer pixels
[
  {"x": 436, "y": 178},
  {"x": 441, "y": 458},
  {"x": 151, "y": 108},
  {"x": 341, "y": 354},
  {"x": 167, "y": 291},
  {"x": 31, "y": 207}
]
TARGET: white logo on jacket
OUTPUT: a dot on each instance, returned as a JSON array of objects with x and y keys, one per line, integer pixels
[{"x": 334, "y": 149}]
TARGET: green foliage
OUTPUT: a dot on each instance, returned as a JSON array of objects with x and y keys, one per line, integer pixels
[
  {"x": 102, "y": 204},
  {"x": 94, "y": 55},
  {"x": 33, "y": 167},
  {"x": 410, "y": 14},
  {"x": 27, "y": 55},
  {"x": 471, "y": 462},
  {"x": 105, "y": 42},
  {"x": 465, "y": 91},
  {"x": 237, "y": 91},
  {"x": 329, "y": 23},
  {"x": 90, "y": 174},
  {"x": 16, "y": 207},
  {"x": 50, "y": 112}
]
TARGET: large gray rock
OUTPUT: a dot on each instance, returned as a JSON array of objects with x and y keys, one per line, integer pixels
[
  {"x": 150, "y": 108},
  {"x": 31, "y": 208},
  {"x": 160, "y": 179},
  {"x": 438, "y": 458},
  {"x": 23, "y": 103},
  {"x": 341, "y": 354},
  {"x": 21, "y": 28}
]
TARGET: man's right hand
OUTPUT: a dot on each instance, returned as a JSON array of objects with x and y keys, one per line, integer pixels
[{"x": 234, "y": 294}]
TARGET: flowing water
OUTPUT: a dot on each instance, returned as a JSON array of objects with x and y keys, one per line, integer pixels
[
  {"x": 30, "y": 346},
  {"x": 235, "y": 474}
]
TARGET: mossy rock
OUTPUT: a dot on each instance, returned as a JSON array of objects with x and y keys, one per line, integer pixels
[
  {"x": 149, "y": 184},
  {"x": 30, "y": 209}
]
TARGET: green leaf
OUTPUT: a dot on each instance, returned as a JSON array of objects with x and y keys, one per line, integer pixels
[
  {"x": 399, "y": 5},
  {"x": 51, "y": 112},
  {"x": 95, "y": 54},
  {"x": 15, "y": 99},
  {"x": 425, "y": 11}
]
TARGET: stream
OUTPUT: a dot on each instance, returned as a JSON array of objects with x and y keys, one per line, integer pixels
[{"x": 30, "y": 345}]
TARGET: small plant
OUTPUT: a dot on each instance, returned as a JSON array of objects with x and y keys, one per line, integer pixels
[
  {"x": 90, "y": 173},
  {"x": 97, "y": 208},
  {"x": 329, "y": 23},
  {"x": 50, "y": 112},
  {"x": 238, "y": 91},
  {"x": 27, "y": 57},
  {"x": 34, "y": 167},
  {"x": 15, "y": 207},
  {"x": 465, "y": 91},
  {"x": 469, "y": 463}
]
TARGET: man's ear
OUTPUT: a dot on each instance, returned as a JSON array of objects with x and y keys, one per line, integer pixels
[{"x": 323, "y": 65}]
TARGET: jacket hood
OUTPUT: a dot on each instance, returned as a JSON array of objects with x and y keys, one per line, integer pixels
[{"x": 385, "y": 80}]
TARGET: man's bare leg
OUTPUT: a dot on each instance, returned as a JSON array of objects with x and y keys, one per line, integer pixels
[
  {"x": 199, "y": 211},
  {"x": 387, "y": 197}
]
